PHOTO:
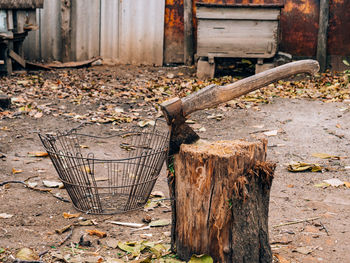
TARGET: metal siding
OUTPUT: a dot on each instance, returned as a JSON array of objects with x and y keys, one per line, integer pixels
[
  {"x": 142, "y": 27},
  {"x": 130, "y": 31},
  {"x": 85, "y": 29},
  {"x": 110, "y": 29},
  {"x": 45, "y": 43}
]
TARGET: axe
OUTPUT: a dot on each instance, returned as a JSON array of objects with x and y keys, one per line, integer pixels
[{"x": 176, "y": 110}]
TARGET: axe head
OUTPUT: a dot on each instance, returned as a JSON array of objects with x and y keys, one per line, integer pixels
[{"x": 180, "y": 131}]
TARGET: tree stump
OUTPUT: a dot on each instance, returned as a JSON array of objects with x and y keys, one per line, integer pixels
[{"x": 222, "y": 192}]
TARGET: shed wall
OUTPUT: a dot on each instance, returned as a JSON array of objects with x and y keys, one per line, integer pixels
[{"x": 127, "y": 31}]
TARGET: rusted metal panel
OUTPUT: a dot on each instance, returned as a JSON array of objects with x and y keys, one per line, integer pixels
[
  {"x": 174, "y": 32},
  {"x": 299, "y": 27},
  {"x": 338, "y": 30},
  {"x": 21, "y": 4}
]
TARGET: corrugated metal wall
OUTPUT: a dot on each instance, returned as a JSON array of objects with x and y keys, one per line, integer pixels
[{"x": 127, "y": 31}]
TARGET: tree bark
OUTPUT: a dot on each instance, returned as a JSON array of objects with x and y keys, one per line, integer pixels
[{"x": 221, "y": 202}]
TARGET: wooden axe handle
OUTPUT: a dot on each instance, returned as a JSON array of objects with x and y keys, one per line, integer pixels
[{"x": 213, "y": 95}]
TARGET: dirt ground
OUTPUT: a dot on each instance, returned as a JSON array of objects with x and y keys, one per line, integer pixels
[{"x": 302, "y": 127}]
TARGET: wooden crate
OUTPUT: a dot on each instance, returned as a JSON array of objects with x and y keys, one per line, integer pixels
[{"x": 237, "y": 31}]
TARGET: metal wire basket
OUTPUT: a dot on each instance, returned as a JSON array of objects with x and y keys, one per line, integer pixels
[{"x": 110, "y": 174}]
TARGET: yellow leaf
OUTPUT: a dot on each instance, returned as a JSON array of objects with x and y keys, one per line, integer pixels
[
  {"x": 38, "y": 154},
  {"x": 14, "y": 171},
  {"x": 324, "y": 156},
  {"x": 303, "y": 167},
  {"x": 347, "y": 184},
  {"x": 67, "y": 215},
  {"x": 95, "y": 232}
]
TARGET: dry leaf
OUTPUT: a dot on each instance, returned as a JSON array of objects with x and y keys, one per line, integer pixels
[
  {"x": 271, "y": 133},
  {"x": 334, "y": 182},
  {"x": 38, "y": 154},
  {"x": 347, "y": 184},
  {"x": 5, "y": 215},
  {"x": 325, "y": 156},
  {"x": 68, "y": 215},
  {"x": 27, "y": 254},
  {"x": 14, "y": 171},
  {"x": 63, "y": 229},
  {"x": 304, "y": 167},
  {"x": 95, "y": 232}
]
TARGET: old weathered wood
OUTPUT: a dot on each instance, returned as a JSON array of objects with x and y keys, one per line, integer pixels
[
  {"x": 322, "y": 34},
  {"x": 205, "y": 70},
  {"x": 232, "y": 32},
  {"x": 17, "y": 58},
  {"x": 66, "y": 29},
  {"x": 221, "y": 203},
  {"x": 188, "y": 32},
  {"x": 213, "y": 95},
  {"x": 21, "y": 4}
]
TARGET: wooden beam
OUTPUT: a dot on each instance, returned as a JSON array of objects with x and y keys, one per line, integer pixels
[
  {"x": 322, "y": 35},
  {"x": 17, "y": 58},
  {"x": 188, "y": 32},
  {"x": 66, "y": 29}
]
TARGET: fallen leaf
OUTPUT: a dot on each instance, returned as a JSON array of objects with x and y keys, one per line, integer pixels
[
  {"x": 136, "y": 225},
  {"x": 14, "y": 171},
  {"x": 218, "y": 117},
  {"x": 63, "y": 229},
  {"x": 303, "y": 167},
  {"x": 325, "y": 156},
  {"x": 52, "y": 184},
  {"x": 201, "y": 259},
  {"x": 2, "y": 250},
  {"x": 303, "y": 250},
  {"x": 5, "y": 215},
  {"x": 95, "y": 232},
  {"x": 68, "y": 215},
  {"x": 334, "y": 182},
  {"x": 112, "y": 242},
  {"x": 89, "y": 222},
  {"x": 202, "y": 129},
  {"x": 146, "y": 123},
  {"x": 83, "y": 146},
  {"x": 38, "y": 154},
  {"x": 322, "y": 185},
  {"x": 27, "y": 254},
  {"x": 161, "y": 222},
  {"x": 271, "y": 133},
  {"x": 347, "y": 184}
]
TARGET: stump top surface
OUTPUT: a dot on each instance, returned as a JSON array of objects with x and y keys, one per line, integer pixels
[{"x": 221, "y": 148}]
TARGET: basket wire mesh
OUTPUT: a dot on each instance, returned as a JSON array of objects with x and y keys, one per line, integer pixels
[{"x": 106, "y": 184}]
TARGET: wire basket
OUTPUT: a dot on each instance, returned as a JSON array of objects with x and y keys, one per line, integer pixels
[{"x": 110, "y": 174}]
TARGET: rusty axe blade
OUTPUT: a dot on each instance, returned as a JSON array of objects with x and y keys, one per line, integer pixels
[{"x": 176, "y": 109}]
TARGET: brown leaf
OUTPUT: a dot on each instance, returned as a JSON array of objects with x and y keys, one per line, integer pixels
[
  {"x": 38, "y": 154},
  {"x": 14, "y": 171},
  {"x": 67, "y": 215},
  {"x": 95, "y": 232}
]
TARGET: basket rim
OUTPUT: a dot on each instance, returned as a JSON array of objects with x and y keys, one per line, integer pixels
[{"x": 99, "y": 160}]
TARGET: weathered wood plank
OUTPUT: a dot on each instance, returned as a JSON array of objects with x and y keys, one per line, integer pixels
[
  {"x": 17, "y": 58},
  {"x": 21, "y": 4},
  {"x": 322, "y": 34},
  {"x": 238, "y": 13},
  {"x": 188, "y": 32}
]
